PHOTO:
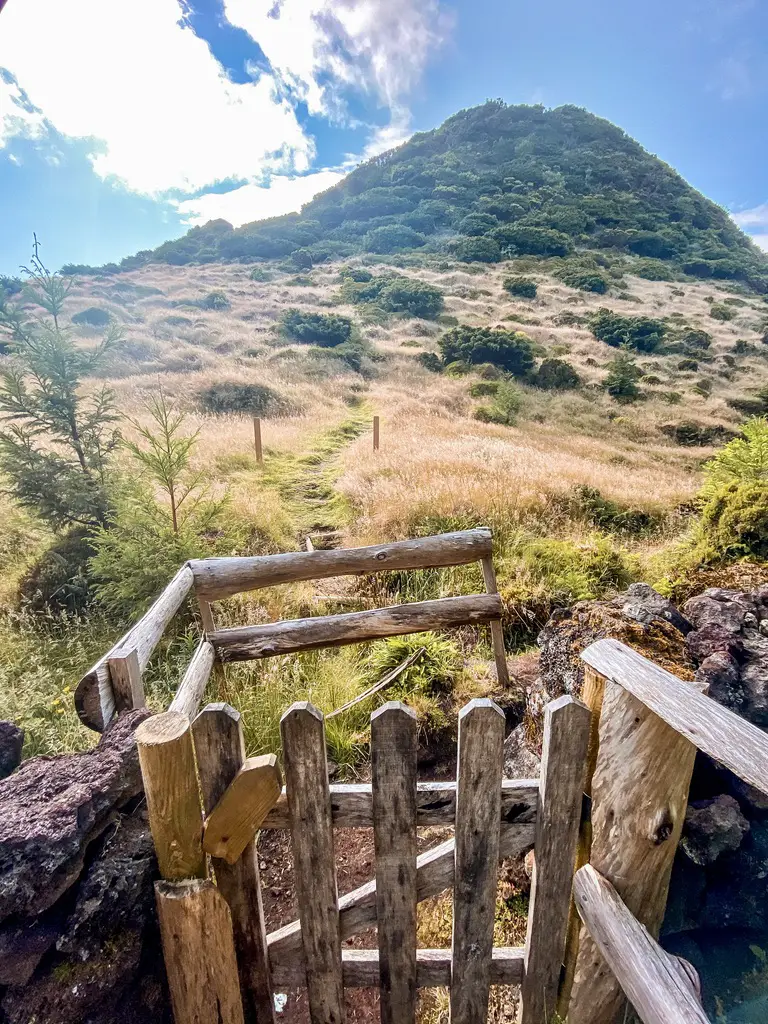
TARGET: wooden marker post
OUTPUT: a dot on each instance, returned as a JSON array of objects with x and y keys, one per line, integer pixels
[
  {"x": 257, "y": 439},
  {"x": 375, "y": 433}
]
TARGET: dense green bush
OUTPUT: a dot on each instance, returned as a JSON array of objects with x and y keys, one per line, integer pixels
[
  {"x": 94, "y": 316},
  {"x": 477, "y": 250},
  {"x": 638, "y": 332},
  {"x": 483, "y": 388},
  {"x": 621, "y": 379},
  {"x": 688, "y": 365},
  {"x": 718, "y": 311},
  {"x": 476, "y": 224},
  {"x": 696, "y": 339},
  {"x": 430, "y": 361},
  {"x": 324, "y": 329},
  {"x": 586, "y": 281},
  {"x": 506, "y": 404},
  {"x": 522, "y": 287},
  {"x": 215, "y": 300},
  {"x": 556, "y": 375},
  {"x": 60, "y": 581},
  {"x": 358, "y": 274},
  {"x": 588, "y": 504},
  {"x": 512, "y": 350},
  {"x": 407, "y": 295},
  {"x": 573, "y": 571},
  {"x": 391, "y": 238},
  {"x": 744, "y": 460},
  {"x": 533, "y": 241},
  {"x": 652, "y": 270},
  {"x": 260, "y": 274},
  {"x": 231, "y": 397},
  {"x": 734, "y": 523}
]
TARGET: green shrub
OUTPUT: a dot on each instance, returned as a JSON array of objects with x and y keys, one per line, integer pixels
[
  {"x": 260, "y": 274},
  {"x": 406, "y": 295},
  {"x": 231, "y": 397},
  {"x": 586, "y": 282},
  {"x": 476, "y": 224},
  {"x": 620, "y": 382},
  {"x": 744, "y": 460},
  {"x": 734, "y": 523},
  {"x": 357, "y": 274},
  {"x": 588, "y": 504},
  {"x": 652, "y": 270},
  {"x": 302, "y": 259},
  {"x": 641, "y": 333},
  {"x": 534, "y": 241},
  {"x": 522, "y": 287},
  {"x": 431, "y": 674},
  {"x": 483, "y": 388},
  {"x": 59, "y": 581},
  {"x": 430, "y": 361},
  {"x": 556, "y": 375},
  {"x": 482, "y": 249},
  {"x": 718, "y": 311},
  {"x": 505, "y": 406},
  {"x": 512, "y": 350},
  {"x": 324, "y": 329},
  {"x": 688, "y": 365},
  {"x": 689, "y": 434},
  {"x": 571, "y": 571},
  {"x": 696, "y": 338},
  {"x": 93, "y": 316},
  {"x": 215, "y": 300},
  {"x": 393, "y": 238}
]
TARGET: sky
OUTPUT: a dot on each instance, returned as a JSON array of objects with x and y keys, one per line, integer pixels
[{"x": 125, "y": 122}]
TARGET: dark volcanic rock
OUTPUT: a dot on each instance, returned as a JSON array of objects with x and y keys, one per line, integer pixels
[
  {"x": 52, "y": 807},
  {"x": 754, "y": 677},
  {"x": 24, "y": 944},
  {"x": 713, "y": 638},
  {"x": 11, "y": 742},
  {"x": 713, "y": 827},
  {"x": 720, "y": 673},
  {"x": 727, "y": 608},
  {"x": 644, "y": 604}
]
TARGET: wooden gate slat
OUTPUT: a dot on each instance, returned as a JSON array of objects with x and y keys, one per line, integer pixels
[
  {"x": 218, "y": 736},
  {"x": 393, "y": 764},
  {"x": 478, "y": 810},
  {"x": 309, "y": 804}
]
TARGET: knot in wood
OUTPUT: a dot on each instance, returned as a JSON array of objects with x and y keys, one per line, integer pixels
[{"x": 380, "y": 556}]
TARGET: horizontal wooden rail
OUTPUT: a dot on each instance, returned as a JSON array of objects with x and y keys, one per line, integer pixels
[
  {"x": 216, "y": 578},
  {"x": 352, "y": 804},
  {"x": 726, "y": 737},
  {"x": 243, "y": 643},
  {"x": 357, "y": 909},
  {"x": 657, "y": 985},
  {"x": 360, "y": 968},
  {"x": 192, "y": 687},
  {"x": 94, "y": 700}
]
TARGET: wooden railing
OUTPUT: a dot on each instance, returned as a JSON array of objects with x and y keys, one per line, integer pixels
[{"x": 115, "y": 682}]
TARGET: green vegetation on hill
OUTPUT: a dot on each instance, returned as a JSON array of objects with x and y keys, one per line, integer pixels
[{"x": 496, "y": 181}]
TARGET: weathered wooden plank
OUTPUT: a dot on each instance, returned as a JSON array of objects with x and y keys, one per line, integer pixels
[
  {"x": 726, "y": 737},
  {"x": 234, "y": 821},
  {"x": 561, "y": 787},
  {"x": 216, "y": 578},
  {"x": 309, "y": 802},
  {"x": 357, "y": 909},
  {"x": 167, "y": 760},
  {"x": 94, "y": 702},
  {"x": 241, "y": 643},
  {"x": 352, "y": 804},
  {"x": 393, "y": 765},
  {"x": 497, "y": 630},
  {"x": 657, "y": 985},
  {"x": 480, "y": 762},
  {"x": 220, "y": 750},
  {"x": 199, "y": 953},
  {"x": 639, "y": 797},
  {"x": 127, "y": 684},
  {"x": 206, "y": 616},
  {"x": 190, "y": 690},
  {"x": 360, "y": 968}
]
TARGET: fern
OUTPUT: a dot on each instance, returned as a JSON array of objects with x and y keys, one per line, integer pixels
[{"x": 743, "y": 460}]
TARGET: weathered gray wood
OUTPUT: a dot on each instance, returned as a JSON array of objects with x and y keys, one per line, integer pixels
[
  {"x": 220, "y": 749},
  {"x": 480, "y": 762},
  {"x": 242, "y": 643},
  {"x": 190, "y": 690},
  {"x": 199, "y": 953},
  {"x": 639, "y": 797},
  {"x": 393, "y": 767},
  {"x": 357, "y": 909},
  {"x": 657, "y": 985},
  {"x": 94, "y": 702},
  {"x": 206, "y": 616},
  {"x": 216, "y": 578},
  {"x": 352, "y": 804},
  {"x": 382, "y": 684},
  {"x": 360, "y": 968},
  {"x": 127, "y": 684},
  {"x": 497, "y": 630},
  {"x": 309, "y": 802},
  {"x": 561, "y": 789},
  {"x": 731, "y": 740},
  {"x": 167, "y": 760}
]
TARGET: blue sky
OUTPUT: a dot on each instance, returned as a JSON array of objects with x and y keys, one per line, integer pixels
[{"x": 123, "y": 122}]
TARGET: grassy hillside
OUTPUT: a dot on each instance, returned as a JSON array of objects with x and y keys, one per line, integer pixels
[{"x": 496, "y": 181}]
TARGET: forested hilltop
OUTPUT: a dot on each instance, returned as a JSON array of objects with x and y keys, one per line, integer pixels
[{"x": 494, "y": 182}]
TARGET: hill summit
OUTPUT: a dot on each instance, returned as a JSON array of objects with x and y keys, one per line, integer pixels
[{"x": 494, "y": 182}]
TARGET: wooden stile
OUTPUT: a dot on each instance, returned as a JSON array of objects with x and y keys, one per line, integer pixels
[
  {"x": 127, "y": 684},
  {"x": 217, "y": 578},
  {"x": 497, "y": 630},
  {"x": 190, "y": 691},
  {"x": 206, "y": 616},
  {"x": 309, "y": 802},
  {"x": 220, "y": 750},
  {"x": 393, "y": 765},
  {"x": 167, "y": 760},
  {"x": 375, "y": 433},
  {"x": 199, "y": 953},
  {"x": 478, "y": 811},
  {"x": 257, "y": 439},
  {"x": 639, "y": 797},
  {"x": 659, "y": 986},
  {"x": 561, "y": 786},
  {"x": 242, "y": 643},
  {"x": 234, "y": 821}
]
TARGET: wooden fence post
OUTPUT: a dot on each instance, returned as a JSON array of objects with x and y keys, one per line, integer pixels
[
  {"x": 561, "y": 789},
  {"x": 497, "y": 630},
  {"x": 639, "y": 797},
  {"x": 220, "y": 749},
  {"x": 393, "y": 757},
  {"x": 309, "y": 803},
  {"x": 257, "y": 440},
  {"x": 480, "y": 763},
  {"x": 127, "y": 684},
  {"x": 375, "y": 433}
]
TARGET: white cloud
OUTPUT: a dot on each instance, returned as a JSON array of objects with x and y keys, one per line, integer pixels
[
  {"x": 254, "y": 202},
  {"x": 755, "y": 223},
  {"x": 17, "y": 117}
]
